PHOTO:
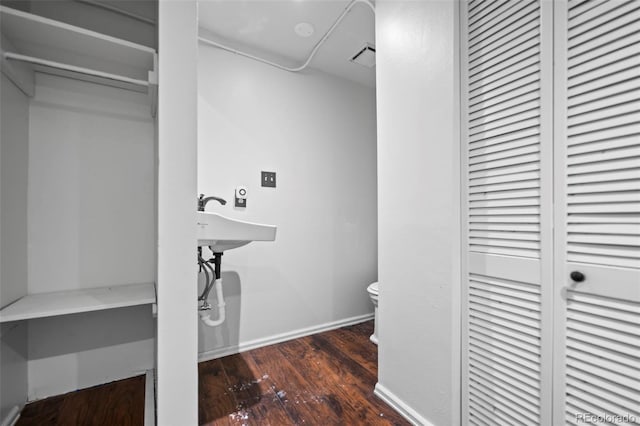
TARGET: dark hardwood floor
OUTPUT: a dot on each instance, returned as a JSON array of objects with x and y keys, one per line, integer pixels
[
  {"x": 118, "y": 403},
  {"x": 324, "y": 379}
]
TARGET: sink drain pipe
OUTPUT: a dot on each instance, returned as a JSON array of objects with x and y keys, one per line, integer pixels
[
  {"x": 205, "y": 315},
  {"x": 216, "y": 281}
]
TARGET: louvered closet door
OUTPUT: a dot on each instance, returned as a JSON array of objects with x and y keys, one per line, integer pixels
[
  {"x": 597, "y": 142},
  {"x": 507, "y": 132}
]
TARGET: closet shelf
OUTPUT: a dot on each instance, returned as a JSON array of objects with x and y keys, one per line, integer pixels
[
  {"x": 42, "y": 305},
  {"x": 62, "y": 49}
]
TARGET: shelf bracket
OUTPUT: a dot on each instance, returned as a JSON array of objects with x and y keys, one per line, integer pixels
[
  {"x": 153, "y": 87},
  {"x": 20, "y": 74}
]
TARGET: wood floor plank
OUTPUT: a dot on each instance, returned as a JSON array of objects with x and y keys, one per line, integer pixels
[
  {"x": 256, "y": 402},
  {"x": 329, "y": 384},
  {"x": 244, "y": 378},
  {"x": 364, "y": 353},
  {"x": 268, "y": 410},
  {"x": 116, "y": 403},
  {"x": 120, "y": 403},
  {"x": 218, "y": 411},
  {"x": 292, "y": 389},
  {"x": 43, "y": 412},
  {"x": 361, "y": 331},
  {"x": 215, "y": 401},
  {"x": 212, "y": 378},
  {"x": 124, "y": 404},
  {"x": 337, "y": 358},
  {"x": 360, "y": 334},
  {"x": 359, "y": 405}
]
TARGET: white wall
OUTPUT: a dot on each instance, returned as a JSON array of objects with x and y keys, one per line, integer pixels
[
  {"x": 317, "y": 132},
  {"x": 14, "y": 156},
  {"x": 91, "y": 224},
  {"x": 418, "y": 207},
  {"x": 91, "y": 186},
  {"x": 77, "y": 351},
  {"x": 177, "y": 374}
]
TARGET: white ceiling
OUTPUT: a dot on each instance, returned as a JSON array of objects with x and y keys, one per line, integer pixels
[{"x": 265, "y": 28}]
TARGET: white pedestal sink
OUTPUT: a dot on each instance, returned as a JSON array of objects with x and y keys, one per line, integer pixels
[{"x": 221, "y": 233}]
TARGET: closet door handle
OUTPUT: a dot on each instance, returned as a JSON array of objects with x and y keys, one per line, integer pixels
[{"x": 577, "y": 276}]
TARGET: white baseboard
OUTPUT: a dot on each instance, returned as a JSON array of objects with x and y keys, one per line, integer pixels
[
  {"x": 150, "y": 398},
  {"x": 400, "y": 406},
  {"x": 12, "y": 417},
  {"x": 283, "y": 337}
]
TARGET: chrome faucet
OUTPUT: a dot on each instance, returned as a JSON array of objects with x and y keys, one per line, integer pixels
[{"x": 202, "y": 202}]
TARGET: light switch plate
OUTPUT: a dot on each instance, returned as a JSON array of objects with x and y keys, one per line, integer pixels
[{"x": 268, "y": 179}]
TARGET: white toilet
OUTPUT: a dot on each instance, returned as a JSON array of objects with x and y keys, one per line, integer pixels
[{"x": 373, "y": 293}]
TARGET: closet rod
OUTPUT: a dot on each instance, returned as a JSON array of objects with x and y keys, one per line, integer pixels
[{"x": 73, "y": 68}]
